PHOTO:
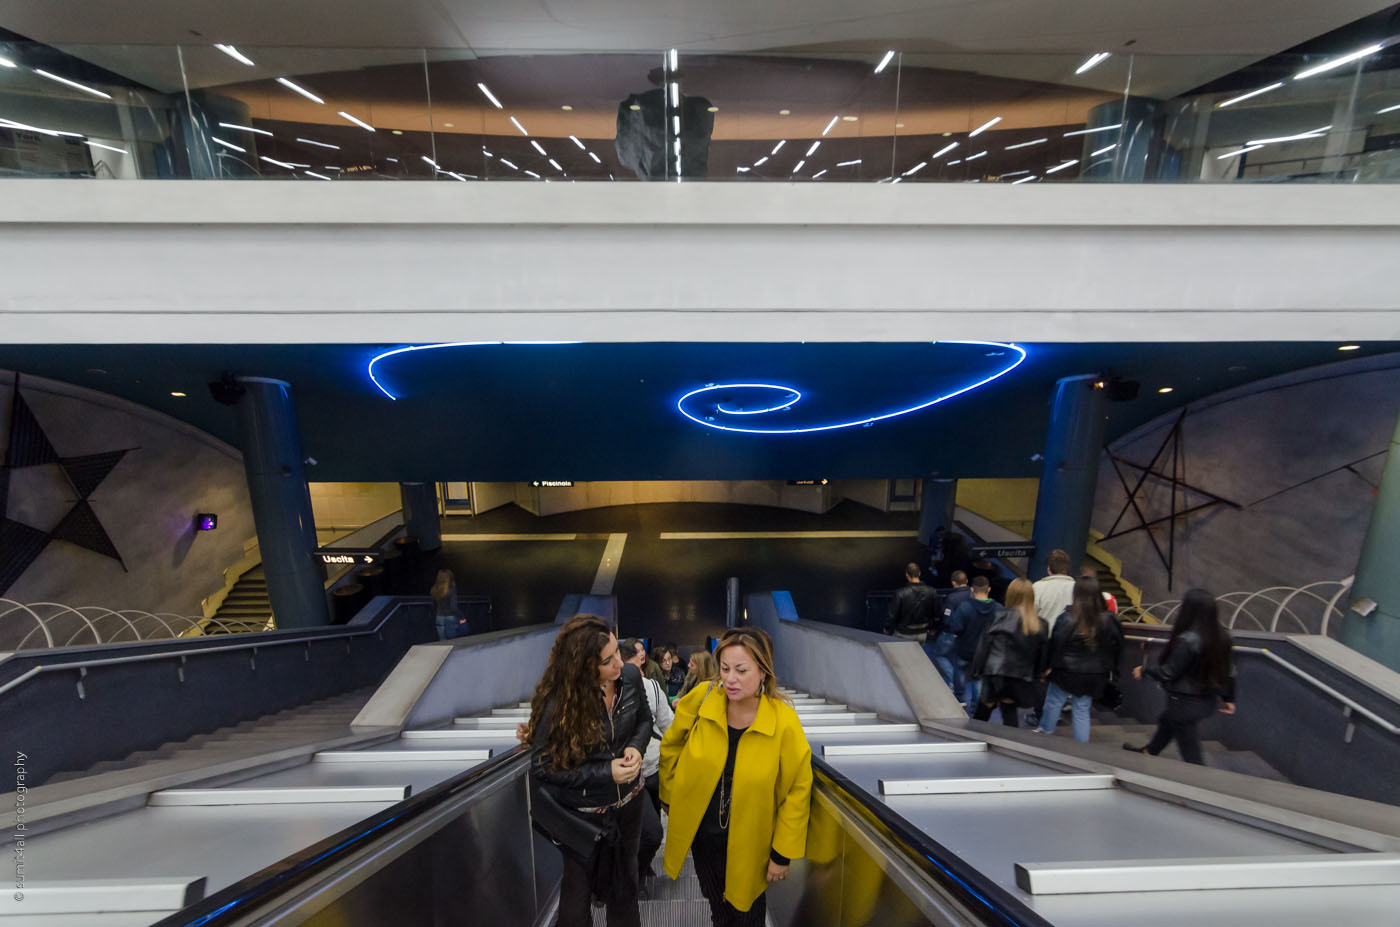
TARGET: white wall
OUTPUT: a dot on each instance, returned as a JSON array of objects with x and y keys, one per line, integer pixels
[
  {"x": 427, "y": 262},
  {"x": 352, "y": 505},
  {"x": 488, "y": 496},
  {"x": 1280, "y": 448},
  {"x": 147, "y": 504},
  {"x": 599, "y": 494}
]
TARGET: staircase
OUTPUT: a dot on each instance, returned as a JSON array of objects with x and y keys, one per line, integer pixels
[
  {"x": 311, "y": 722},
  {"x": 1109, "y": 583},
  {"x": 1108, "y": 728},
  {"x": 246, "y": 608}
]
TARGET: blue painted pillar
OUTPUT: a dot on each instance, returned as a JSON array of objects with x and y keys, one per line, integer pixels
[
  {"x": 276, "y": 471},
  {"x": 936, "y": 507},
  {"x": 1070, "y": 471},
  {"x": 420, "y": 514},
  {"x": 1377, "y": 635}
]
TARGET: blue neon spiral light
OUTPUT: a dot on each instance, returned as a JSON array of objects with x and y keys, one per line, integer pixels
[
  {"x": 431, "y": 347},
  {"x": 714, "y": 405}
]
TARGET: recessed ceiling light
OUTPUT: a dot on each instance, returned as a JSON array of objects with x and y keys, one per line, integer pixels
[
  {"x": 567, "y": 108},
  {"x": 712, "y": 109},
  {"x": 899, "y": 125},
  {"x": 784, "y": 112},
  {"x": 1350, "y": 347},
  {"x": 1165, "y": 389},
  {"x": 179, "y": 395},
  {"x": 634, "y": 107},
  {"x": 448, "y": 125},
  {"x": 236, "y": 55},
  {"x": 849, "y": 118},
  {"x": 398, "y": 131}
]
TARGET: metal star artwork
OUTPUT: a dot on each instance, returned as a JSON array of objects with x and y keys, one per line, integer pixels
[{"x": 29, "y": 446}]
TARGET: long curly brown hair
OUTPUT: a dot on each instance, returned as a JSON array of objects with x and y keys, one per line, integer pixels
[{"x": 570, "y": 692}]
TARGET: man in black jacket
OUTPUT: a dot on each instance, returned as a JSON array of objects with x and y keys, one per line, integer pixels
[
  {"x": 913, "y": 608},
  {"x": 941, "y": 651},
  {"x": 966, "y": 624}
]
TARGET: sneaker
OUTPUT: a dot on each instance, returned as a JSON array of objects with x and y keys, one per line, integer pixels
[{"x": 1131, "y": 748}]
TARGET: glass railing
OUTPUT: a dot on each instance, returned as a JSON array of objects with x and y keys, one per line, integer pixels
[{"x": 218, "y": 112}]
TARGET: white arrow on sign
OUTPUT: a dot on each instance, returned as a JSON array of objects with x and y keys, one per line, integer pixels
[{"x": 368, "y": 559}]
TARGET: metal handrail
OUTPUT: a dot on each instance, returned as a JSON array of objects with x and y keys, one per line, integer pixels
[
  {"x": 1238, "y": 606},
  {"x": 1312, "y": 680}
]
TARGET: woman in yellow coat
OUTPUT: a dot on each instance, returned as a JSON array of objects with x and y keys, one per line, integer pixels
[{"x": 736, "y": 771}]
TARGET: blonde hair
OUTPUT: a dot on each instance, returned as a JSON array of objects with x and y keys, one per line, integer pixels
[
  {"x": 1021, "y": 595},
  {"x": 443, "y": 585},
  {"x": 708, "y": 670},
  {"x": 760, "y": 647}
]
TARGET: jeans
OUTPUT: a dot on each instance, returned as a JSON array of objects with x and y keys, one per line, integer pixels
[
  {"x": 941, "y": 653},
  {"x": 449, "y": 626},
  {"x": 1055, "y": 699}
]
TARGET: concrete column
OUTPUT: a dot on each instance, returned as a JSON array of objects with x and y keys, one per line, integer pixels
[
  {"x": 420, "y": 514},
  {"x": 276, "y": 470},
  {"x": 936, "y": 507},
  {"x": 1070, "y": 471},
  {"x": 1377, "y": 635}
]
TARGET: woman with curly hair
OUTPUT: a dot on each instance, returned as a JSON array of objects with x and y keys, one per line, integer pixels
[
  {"x": 589, "y": 725},
  {"x": 736, "y": 771}
]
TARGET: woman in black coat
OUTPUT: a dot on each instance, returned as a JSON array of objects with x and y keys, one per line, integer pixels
[
  {"x": 1084, "y": 647},
  {"x": 1010, "y": 656},
  {"x": 1197, "y": 674},
  {"x": 589, "y": 726}
]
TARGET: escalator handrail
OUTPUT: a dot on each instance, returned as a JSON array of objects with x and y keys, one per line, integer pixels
[
  {"x": 973, "y": 888},
  {"x": 1355, "y": 706},
  {"x": 286, "y": 874}
]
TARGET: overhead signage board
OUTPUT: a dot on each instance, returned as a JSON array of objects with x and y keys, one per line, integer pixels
[
  {"x": 551, "y": 484},
  {"x": 345, "y": 555},
  {"x": 807, "y": 482},
  {"x": 980, "y": 551}
]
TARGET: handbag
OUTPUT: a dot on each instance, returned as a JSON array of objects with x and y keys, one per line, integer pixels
[{"x": 572, "y": 832}]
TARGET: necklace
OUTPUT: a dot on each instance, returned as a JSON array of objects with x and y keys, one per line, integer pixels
[{"x": 724, "y": 801}]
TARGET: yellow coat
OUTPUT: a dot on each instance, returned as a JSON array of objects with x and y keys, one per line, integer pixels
[{"x": 772, "y": 786}]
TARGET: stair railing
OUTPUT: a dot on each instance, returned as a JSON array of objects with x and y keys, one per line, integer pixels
[
  {"x": 1265, "y": 609},
  {"x": 53, "y": 620}
]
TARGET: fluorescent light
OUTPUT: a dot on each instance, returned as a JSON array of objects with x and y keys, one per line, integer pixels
[
  {"x": 777, "y": 147},
  {"x": 1116, "y": 125},
  {"x": 431, "y": 162},
  {"x": 318, "y": 144},
  {"x": 395, "y": 160},
  {"x": 290, "y": 167},
  {"x": 799, "y": 165},
  {"x": 1245, "y": 96},
  {"x": 1388, "y": 109},
  {"x": 234, "y": 125},
  {"x": 301, "y": 90},
  {"x": 810, "y": 151},
  {"x": 1092, "y": 61},
  {"x": 974, "y": 157},
  {"x": 575, "y": 140},
  {"x": 1104, "y": 150},
  {"x": 760, "y": 161},
  {"x": 42, "y": 131},
  {"x": 1014, "y": 173},
  {"x": 1237, "y": 151},
  {"x": 487, "y": 153},
  {"x": 317, "y": 176},
  {"x": 885, "y": 61},
  {"x": 7, "y": 63},
  {"x": 533, "y": 174},
  {"x": 489, "y": 95},
  {"x": 1039, "y": 141},
  {"x": 107, "y": 147},
  {"x": 958, "y": 161},
  {"x": 676, "y": 146},
  {"x": 1023, "y": 180},
  {"x": 916, "y": 168},
  {"x": 595, "y": 157},
  {"x": 983, "y": 127},
  {"x": 1349, "y": 347},
  {"x": 847, "y": 163},
  {"x": 363, "y": 125},
  {"x": 675, "y": 95},
  {"x": 675, "y": 125},
  {"x": 73, "y": 83},
  {"x": 819, "y": 173},
  {"x": 456, "y": 175},
  {"x": 675, "y": 59},
  {"x": 1338, "y": 62},
  {"x": 519, "y": 126},
  {"x": 332, "y": 167},
  {"x": 1315, "y": 133},
  {"x": 944, "y": 150},
  {"x": 538, "y": 147},
  {"x": 509, "y": 164},
  {"x": 1165, "y": 389},
  {"x": 1059, "y": 167},
  {"x": 896, "y": 180},
  {"x": 219, "y": 141},
  {"x": 555, "y": 164},
  {"x": 745, "y": 170},
  {"x": 179, "y": 395},
  {"x": 234, "y": 53},
  {"x": 830, "y": 125}
]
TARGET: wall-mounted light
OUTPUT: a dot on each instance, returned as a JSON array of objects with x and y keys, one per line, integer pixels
[{"x": 206, "y": 521}]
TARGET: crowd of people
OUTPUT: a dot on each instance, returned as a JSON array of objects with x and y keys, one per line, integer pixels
[
  {"x": 618, "y": 735},
  {"x": 1056, "y": 643}
]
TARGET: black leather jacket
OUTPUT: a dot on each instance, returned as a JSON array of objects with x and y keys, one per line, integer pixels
[
  {"x": 1005, "y": 651},
  {"x": 913, "y": 609},
  {"x": 591, "y": 784},
  {"x": 1179, "y": 671},
  {"x": 1071, "y": 653}
]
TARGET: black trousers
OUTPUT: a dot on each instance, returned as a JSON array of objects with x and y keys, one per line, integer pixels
[
  {"x": 1008, "y": 713},
  {"x": 652, "y": 834},
  {"x": 1179, "y": 721},
  {"x": 576, "y": 887},
  {"x": 710, "y": 854}
]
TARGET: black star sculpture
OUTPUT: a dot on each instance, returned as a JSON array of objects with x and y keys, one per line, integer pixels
[{"x": 29, "y": 446}]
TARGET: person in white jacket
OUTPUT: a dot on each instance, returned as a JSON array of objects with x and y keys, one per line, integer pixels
[{"x": 662, "y": 716}]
